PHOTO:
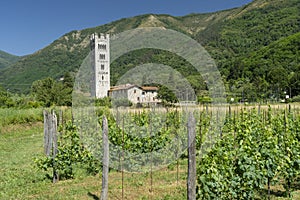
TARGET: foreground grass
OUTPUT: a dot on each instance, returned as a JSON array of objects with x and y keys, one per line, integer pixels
[{"x": 21, "y": 180}]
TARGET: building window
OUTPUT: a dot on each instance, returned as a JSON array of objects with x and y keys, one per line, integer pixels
[
  {"x": 102, "y": 56},
  {"x": 102, "y": 46},
  {"x": 102, "y": 78},
  {"x": 102, "y": 67},
  {"x": 134, "y": 91},
  {"x": 138, "y": 98}
]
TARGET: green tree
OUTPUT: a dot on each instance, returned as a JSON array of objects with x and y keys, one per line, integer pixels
[
  {"x": 5, "y": 98},
  {"x": 43, "y": 90},
  {"x": 166, "y": 95},
  {"x": 68, "y": 80},
  {"x": 294, "y": 85},
  {"x": 52, "y": 93}
]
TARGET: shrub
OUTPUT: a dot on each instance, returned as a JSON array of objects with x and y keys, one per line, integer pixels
[
  {"x": 70, "y": 153},
  {"x": 121, "y": 103},
  {"x": 296, "y": 98}
]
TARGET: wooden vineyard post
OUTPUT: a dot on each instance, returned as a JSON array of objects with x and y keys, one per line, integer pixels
[
  {"x": 50, "y": 139},
  {"x": 122, "y": 155},
  {"x": 53, "y": 130},
  {"x": 191, "y": 183},
  {"x": 105, "y": 160},
  {"x": 61, "y": 119},
  {"x": 47, "y": 138}
]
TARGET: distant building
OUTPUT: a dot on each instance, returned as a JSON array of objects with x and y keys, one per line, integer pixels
[
  {"x": 100, "y": 83},
  {"x": 135, "y": 94},
  {"x": 100, "y": 60}
]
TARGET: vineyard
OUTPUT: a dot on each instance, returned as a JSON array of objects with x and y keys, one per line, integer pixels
[
  {"x": 254, "y": 148},
  {"x": 258, "y": 149},
  {"x": 242, "y": 153}
]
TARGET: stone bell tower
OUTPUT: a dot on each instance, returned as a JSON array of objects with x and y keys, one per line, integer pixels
[{"x": 100, "y": 59}]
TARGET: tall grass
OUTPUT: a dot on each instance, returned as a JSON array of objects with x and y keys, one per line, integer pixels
[{"x": 18, "y": 116}]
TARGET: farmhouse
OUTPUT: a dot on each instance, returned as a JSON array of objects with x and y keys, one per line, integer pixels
[{"x": 135, "y": 94}]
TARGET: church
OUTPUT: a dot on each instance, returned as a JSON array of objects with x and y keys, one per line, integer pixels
[{"x": 100, "y": 59}]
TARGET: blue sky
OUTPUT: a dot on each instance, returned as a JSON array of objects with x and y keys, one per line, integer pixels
[{"x": 30, "y": 25}]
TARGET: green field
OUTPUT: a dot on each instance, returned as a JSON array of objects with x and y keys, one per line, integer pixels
[{"x": 22, "y": 141}]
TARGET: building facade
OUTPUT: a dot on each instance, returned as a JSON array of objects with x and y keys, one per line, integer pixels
[
  {"x": 100, "y": 61},
  {"x": 135, "y": 94}
]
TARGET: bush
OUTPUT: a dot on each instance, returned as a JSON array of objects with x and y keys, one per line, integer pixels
[
  {"x": 204, "y": 99},
  {"x": 70, "y": 153},
  {"x": 106, "y": 102},
  {"x": 296, "y": 98},
  {"x": 121, "y": 103}
]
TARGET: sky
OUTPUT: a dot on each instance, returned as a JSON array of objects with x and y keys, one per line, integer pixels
[{"x": 30, "y": 25}]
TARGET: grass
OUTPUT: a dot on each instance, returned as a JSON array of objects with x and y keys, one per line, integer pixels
[
  {"x": 17, "y": 149},
  {"x": 19, "y": 116}
]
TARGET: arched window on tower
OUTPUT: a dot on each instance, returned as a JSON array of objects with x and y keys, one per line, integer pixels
[
  {"x": 102, "y": 67},
  {"x": 102, "y": 46},
  {"x": 102, "y": 56}
]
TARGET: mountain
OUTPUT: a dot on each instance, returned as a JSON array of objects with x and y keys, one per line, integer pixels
[
  {"x": 7, "y": 59},
  {"x": 234, "y": 38},
  {"x": 278, "y": 63},
  {"x": 67, "y": 52},
  {"x": 254, "y": 26}
]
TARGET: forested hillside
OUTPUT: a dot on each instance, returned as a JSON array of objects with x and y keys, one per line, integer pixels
[
  {"x": 7, "y": 59},
  {"x": 256, "y": 48},
  {"x": 256, "y": 45}
]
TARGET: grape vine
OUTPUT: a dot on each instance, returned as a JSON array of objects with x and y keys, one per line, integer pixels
[{"x": 257, "y": 150}]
